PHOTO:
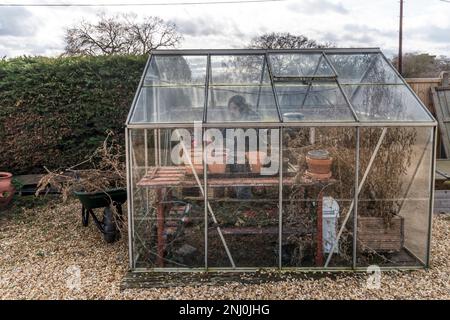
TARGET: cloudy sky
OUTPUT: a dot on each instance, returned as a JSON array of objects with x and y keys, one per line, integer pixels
[{"x": 347, "y": 23}]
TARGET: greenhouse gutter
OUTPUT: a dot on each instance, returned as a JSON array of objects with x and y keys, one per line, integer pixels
[
  {"x": 281, "y": 124},
  {"x": 262, "y": 51}
]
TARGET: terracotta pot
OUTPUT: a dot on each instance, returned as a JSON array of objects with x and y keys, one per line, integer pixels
[
  {"x": 5, "y": 181},
  {"x": 319, "y": 162},
  {"x": 256, "y": 159},
  {"x": 198, "y": 167},
  {"x": 6, "y": 189},
  {"x": 319, "y": 166},
  {"x": 219, "y": 168}
]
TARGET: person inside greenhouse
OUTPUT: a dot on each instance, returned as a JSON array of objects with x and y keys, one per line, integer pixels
[{"x": 240, "y": 110}]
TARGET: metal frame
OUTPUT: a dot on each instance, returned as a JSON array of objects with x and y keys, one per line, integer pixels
[
  {"x": 299, "y": 270},
  {"x": 280, "y": 201},
  {"x": 208, "y": 70},
  {"x": 205, "y": 195},
  {"x": 357, "y": 124},
  {"x": 283, "y": 125},
  {"x": 356, "y": 196},
  {"x": 130, "y": 200},
  {"x": 261, "y": 51},
  {"x": 431, "y": 208},
  {"x": 277, "y": 104}
]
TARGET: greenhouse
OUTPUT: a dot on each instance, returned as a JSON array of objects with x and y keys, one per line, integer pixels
[{"x": 311, "y": 159}]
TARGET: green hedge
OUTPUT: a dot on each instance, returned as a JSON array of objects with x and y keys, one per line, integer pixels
[{"x": 54, "y": 111}]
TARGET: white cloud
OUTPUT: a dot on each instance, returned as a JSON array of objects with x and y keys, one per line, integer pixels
[
  {"x": 346, "y": 23},
  {"x": 17, "y": 22},
  {"x": 317, "y": 7}
]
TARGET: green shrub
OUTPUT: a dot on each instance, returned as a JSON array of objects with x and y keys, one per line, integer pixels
[{"x": 55, "y": 111}]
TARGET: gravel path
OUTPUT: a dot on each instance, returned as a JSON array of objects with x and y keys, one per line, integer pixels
[{"x": 43, "y": 249}]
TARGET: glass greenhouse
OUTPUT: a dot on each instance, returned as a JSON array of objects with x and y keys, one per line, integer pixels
[{"x": 242, "y": 160}]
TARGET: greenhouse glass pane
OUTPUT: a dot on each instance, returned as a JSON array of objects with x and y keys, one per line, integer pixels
[
  {"x": 394, "y": 202},
  {"x": 302, "y": 245},
  {"x": 157, "y": 245},
  {"x": 254, "y": 104},
  {"x": 176, "y": 105},
  {"x": 319, "y": 102},
  {"x": 176, "y": 69},
  {"x": 248, "y": 69},
  {"x": 385, "y": 103},
  {"x": 243, "y": 192},
  {"x": 363, "y": 68},
  {"x": 300, "y": 65}
]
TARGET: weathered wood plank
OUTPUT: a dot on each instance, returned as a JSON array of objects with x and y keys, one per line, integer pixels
[
  {"x": 440, "y": 114},
  {"x": 139, "y": 280}
]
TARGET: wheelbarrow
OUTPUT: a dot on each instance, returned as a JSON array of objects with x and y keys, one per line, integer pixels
[{"x": 93, "y": 200}]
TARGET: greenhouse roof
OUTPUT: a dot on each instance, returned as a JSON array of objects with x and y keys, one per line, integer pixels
[{"x": 292, "y": 87}]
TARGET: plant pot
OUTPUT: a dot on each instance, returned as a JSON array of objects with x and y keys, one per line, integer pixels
[
  {"x": 198, "y": 167},
  {"x": 319, "y": 162},
  {"x": 6, "y": 189},
  {"x": 5, "y": 181},
  {"x": 219, "y": 168},
  {"x": 256, "y": 160}
]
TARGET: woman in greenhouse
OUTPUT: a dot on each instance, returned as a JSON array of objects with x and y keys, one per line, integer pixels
[{"x": 240, "y": 110}]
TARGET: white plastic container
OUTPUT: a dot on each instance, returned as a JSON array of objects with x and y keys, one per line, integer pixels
[{"x": 330, "y": 215}]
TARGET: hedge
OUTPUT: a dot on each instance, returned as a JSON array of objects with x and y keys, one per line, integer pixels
[{"x": 55, "y": 111}]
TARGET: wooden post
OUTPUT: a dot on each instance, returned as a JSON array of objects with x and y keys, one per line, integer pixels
[
  {"x": 160, "y": 227},
  {"x": 319, "y": 238},
  {"x": 445, "y": 76}
]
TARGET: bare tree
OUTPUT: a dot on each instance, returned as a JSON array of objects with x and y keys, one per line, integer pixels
[
  {"x": 423, "y": 65},
  {"x": 285, "y": 41},
  {"x": 120, "y": 34}
]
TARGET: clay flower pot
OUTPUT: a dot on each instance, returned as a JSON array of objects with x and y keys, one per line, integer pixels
[
  {"x": 6, "y": 189},
  {"x": 319, "y": 162},
  {"x": 218, "y": 168},
  {"x": 256, "y": 160},
  {"x": 197, "y": 161}
]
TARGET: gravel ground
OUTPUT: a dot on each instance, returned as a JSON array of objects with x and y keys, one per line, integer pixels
[{"x": 43, "y": 248}]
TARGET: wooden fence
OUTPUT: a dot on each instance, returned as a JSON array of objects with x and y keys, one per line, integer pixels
[{"x": 422, "y": 87}]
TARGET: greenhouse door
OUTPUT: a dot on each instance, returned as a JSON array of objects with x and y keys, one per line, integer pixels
[{"x": 243, "y": 211}]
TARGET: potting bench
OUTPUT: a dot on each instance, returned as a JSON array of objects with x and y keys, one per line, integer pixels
[{"x": 161, "y": 178}]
